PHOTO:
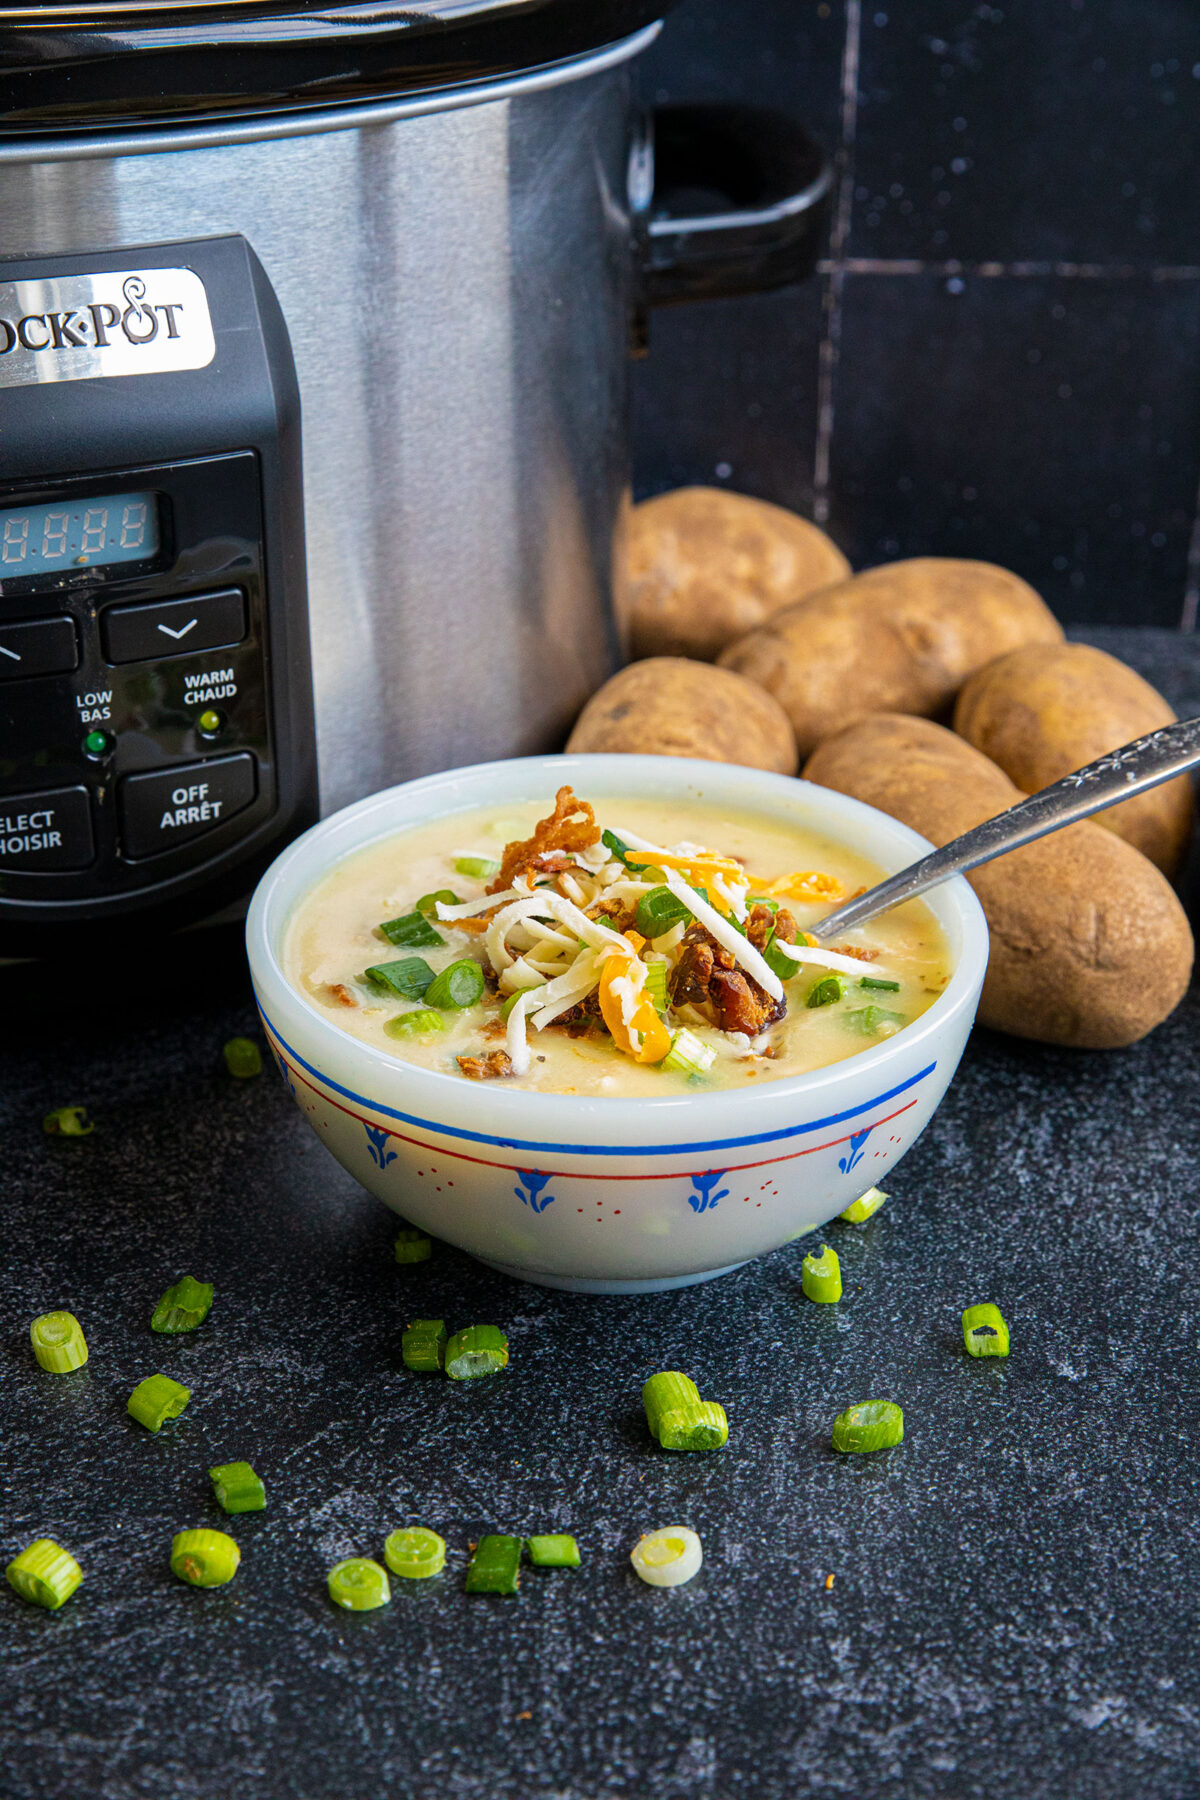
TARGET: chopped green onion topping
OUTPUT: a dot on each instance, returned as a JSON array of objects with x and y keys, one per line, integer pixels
[
  {"x": 667, "y": 1558},
  {"x": 659, "y": 911},
  {"x": 874, "y": 981},
  {"x": 871, "y": 1020},
  {"x": 412, "y": 1246},
  {"x": 871, "y": 1425},
  {"x": 409, "y": 977},
  {"x": 762, "y": 900},
  {"x": 412, "y": 932},
  {"x": 204, "y": 1559},
  {"x": 984, "y": 1331},
  {"x": 827, "y": 991},
  {"x": 553, "y": 1551},
  {"x": 700, "y": 1427},
  {"x": 620, "y": 850},
  {"x": 458, "y": 985},
  {"x": 67, "y": 1121},
  {"x": 415, "y": 1553},
  {"x": 423, "y": 1344},
  {"x": 237, "y": 1488},
  {"x": 243, "y": 1058},
  {"x": 479, "y": 868},
  {"x": 183, "y": 1306},
  {"x": 428, "y": 903},
  {"x": 821, "y": 1276},
  {"x": 414, "y": 1024},
  {"x": 58, "y": 1342},
  {"x": 359, "y": 1585},
  {"x": 44, "y": 1574},
  {"x": 508, "y": 1005},
  {"x": 656, "y": 983},
  {"x": 495, "y": 1566},
  {"x": 865, "y": 1207},
  {"x": 688, "y": 1055},
  {"x": 779, "y": 963},
  {"x": 157, "y": 1399},
  {"x": 479, "y": 1350}
]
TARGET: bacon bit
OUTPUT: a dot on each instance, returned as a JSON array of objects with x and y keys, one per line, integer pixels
[
  {"x": 808, "y": 884},
  {"x": 857, "y": 951},
  {"x": 618, "y": 914},
  {"x": 743, "y": 1005},
  {"x": 341, "y": 993},
  {"x": 495, "y": 1028},
  {"x": 491, "y": 1067},
  {"x": 571, "y": 826}
]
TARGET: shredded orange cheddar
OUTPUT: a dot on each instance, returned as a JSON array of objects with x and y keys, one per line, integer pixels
[{"x": 807, "y": 884}]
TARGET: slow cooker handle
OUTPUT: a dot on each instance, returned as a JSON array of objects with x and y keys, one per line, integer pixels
[{"x": 725, "y": 200}]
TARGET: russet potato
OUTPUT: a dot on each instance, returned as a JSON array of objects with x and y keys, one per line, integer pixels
[
  {"x": 1044, "y": 710},
  {"x": 1090, "y": 946},
  {"x": 670, "y": 706},
  {"x": 900, "y": 638},
  {"x": 706, "y": 565}
]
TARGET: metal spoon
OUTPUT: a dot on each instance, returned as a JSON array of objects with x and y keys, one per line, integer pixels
[{"x": 1112, "y": 778}]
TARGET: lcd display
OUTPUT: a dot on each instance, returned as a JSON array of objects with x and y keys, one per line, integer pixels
[{"x": 84, "y": 534}]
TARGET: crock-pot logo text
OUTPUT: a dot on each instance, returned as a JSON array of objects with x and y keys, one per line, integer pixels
[{"x": 119, "y": 322}]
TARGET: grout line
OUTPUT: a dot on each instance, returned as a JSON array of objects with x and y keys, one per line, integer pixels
[
  {"x": 1191, "y": 593},
  {"x": 882, "y": 265},
  {"x": 835, "y": 268}
]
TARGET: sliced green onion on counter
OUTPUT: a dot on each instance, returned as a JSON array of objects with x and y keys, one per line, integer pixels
[
  {"x": 412, "y": 932},
  {"x": 821, "y": 1276},
  {"x": 204, "y": 1559},
  {"x": 428, "y": 903},
  {"x": 865, "y": 1207},
  {"x": 874, "y": 981},
  {"x": 157, "y": 1399},
  {"x": 413, "y": 1246},
  {"x": 554, "y": 1550},
  {"x": 871, "y": 1425},
  {"x": 415, "y": 1553},
  {"x": 243, "y": 1058},
  {"x": 479, "y": 1350},
  {"x": 409, "y": 977},
  {"x": 479, "y": 868},
  {"x": 700, "y": 1427},
  {"x": 67, "y": 1121},
  {"x": 827, "y": 991},
  {"x": 359, "y": 1585},
  {"x": 458, "y": 985},
  {"x": 659, "y": 911},
  {"x": 667, "y": 1392},
  {"x": 872, "y": 1019},
  {"x": 423, "y": 1344},
  {"x": 415, "y": 1024},
  {"x": 688, "y": 1055},
  {"x": 667, "y": 1558},
  {"x": 656, "y": 983},
  {"x": 495, "y": 1566},
  {"x": 44, "y": 1574},
  {"x": 984, "y": 1331},
  {"x": 236, "y": 1488},
  {"x": 58, "y": 1342},
  {"x": 183, "y": 1307}
]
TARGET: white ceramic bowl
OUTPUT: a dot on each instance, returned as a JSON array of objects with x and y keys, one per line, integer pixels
[{"x": 592, "y": 1193}]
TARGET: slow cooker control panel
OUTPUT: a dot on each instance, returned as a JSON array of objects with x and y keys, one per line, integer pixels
[
  {"x": 134, "y": 731},
  {"x": 156, "y": 730}
]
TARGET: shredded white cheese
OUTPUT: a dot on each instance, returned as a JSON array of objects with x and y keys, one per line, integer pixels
[
  {"x": 824, "y": 959},
  {"x": 515, "y": 1040},
  {"x": 727, "y": 935}
]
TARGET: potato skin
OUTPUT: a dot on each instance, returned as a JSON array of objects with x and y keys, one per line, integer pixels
[
  {"x": 1042, "y": 711},
  {"x": 900, "y": 638},
  {"x": 670, "y": 706},
  {"x": 1090, "y": 947},
  {"x": 706, "y": 565}
]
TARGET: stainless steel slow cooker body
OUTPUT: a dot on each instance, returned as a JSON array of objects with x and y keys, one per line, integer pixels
[{"x": 461, "y": 271}]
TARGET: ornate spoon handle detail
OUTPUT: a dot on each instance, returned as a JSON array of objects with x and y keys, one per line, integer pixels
[{"x": 1106, "y": 782}]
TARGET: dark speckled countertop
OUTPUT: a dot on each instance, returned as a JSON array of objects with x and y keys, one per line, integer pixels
[{"x": 1016, "y": 1588}]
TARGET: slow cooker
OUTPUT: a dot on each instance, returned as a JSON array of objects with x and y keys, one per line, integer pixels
[{"x": 314, "y": 335}]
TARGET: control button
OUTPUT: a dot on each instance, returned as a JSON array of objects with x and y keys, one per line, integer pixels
[
  {"x": 173, "y": 627},
  {"x": 51, "y": 830},
  {"x": 169, "y": 806},
  {"x": 37, "y": 647}
]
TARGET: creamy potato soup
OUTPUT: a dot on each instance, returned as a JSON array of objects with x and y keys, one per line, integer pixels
[{"x": 645, "y": 949}]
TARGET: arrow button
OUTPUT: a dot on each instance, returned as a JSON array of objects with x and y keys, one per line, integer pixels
[
  {"x": 37, "y": 647},
  {"x": 196, "y": 622}
]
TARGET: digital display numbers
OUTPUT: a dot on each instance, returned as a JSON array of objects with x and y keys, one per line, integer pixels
[{"x": 109, "y": 528}]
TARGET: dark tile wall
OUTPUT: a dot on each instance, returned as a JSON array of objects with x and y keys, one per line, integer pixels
[{"x": 1000, "y": 356}]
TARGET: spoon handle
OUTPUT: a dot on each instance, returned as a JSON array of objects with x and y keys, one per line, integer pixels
[{"x": 1106, "y": 782}]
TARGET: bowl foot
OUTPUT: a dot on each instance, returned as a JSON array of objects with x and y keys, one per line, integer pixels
[{"x": 583, "y": 1284}]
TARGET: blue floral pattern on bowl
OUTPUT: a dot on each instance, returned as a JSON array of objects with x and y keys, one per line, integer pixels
[{"x": 530, "y": 1190}]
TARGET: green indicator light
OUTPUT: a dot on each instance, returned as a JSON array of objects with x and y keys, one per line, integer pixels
[
  {"x": 97, "y": 744},
  {"x": 211, "y": 722}
]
